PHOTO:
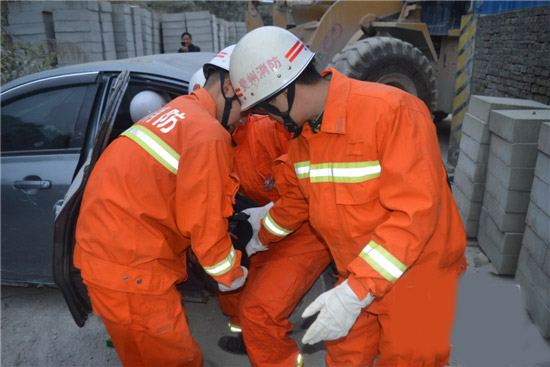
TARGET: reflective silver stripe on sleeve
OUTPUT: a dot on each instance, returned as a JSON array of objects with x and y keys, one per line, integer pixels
[
  {"x": 223, "y": 266},
  {"x": 155, "y": 146},
  {"x": 383, "y": 261},
  {"x": 274, "y": 228}
]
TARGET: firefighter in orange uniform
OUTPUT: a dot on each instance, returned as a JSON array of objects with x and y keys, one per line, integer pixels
[
  {"x": 365, "y": 169},
  {"x": 277, "y": 278},
  {"x": 167, "y": 183}
]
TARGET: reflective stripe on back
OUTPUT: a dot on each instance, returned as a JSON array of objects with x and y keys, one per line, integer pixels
[
  {"x": 383, "y": 261},
  {"x": 349, "y": 172},
  {"x": 155, "y": 146}
]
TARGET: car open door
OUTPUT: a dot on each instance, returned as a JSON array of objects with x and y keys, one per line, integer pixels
[{"x": 65, "y": 275}]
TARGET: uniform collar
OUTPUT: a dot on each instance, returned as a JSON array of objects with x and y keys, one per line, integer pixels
[
  {"x": 334, "y": 116},
  {"x": 206, "y": 100}
]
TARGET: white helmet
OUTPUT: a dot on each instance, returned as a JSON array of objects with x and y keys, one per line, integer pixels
[
  {"x": 221, "y": 60},
  {"x": 144, "y": 103},
  {"x": 264, "y": 62},
  {"x": 197, "y": 81}
]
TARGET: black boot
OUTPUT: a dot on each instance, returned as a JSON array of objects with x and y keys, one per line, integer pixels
[{"x": 233, "y": 344}]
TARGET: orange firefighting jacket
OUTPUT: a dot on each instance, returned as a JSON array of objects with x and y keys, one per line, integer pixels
[
  {"x": 258, "y": 143},
  {"x": 373, "y": 185},
  {"x": 260, "y": 156},
  {"x": 164, "y": 185}
]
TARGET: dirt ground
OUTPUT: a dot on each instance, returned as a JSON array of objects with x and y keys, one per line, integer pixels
[{"x": 491, "y": 329}]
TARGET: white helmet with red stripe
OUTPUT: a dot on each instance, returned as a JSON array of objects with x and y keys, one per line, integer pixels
[
  {"x": 264, "y": 62},
  {"x": 221, "y": 60},
  {"x": 197, "y": 81}
]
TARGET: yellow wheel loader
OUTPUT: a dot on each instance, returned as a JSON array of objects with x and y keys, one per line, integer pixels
[{"x": 409, "y": 45}]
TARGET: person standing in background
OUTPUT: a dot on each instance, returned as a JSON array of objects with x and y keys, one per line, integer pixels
[{"x": 187, "y": 43}]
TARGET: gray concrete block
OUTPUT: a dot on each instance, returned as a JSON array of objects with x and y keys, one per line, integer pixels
[
  {"x": 544, "y": 138},
  {"x": 467, "y": 208},
  {"x": 514, "y": 154},
  {"x": 504, "y": 264},
  {"x": 93, "y": 5},
  {"x": 471, "y": 227},
  {"x": 542, "y": 168},
  {"x": 196, "y": 15},
  {"x": 474, "y": 172},
  {"x": 65, "y": 15},
  {"x": 25, "y": 18},
  {"x": 518, "y": 126},
  {"x": 536, "y": 247},
  {"x": 476, "y": 151},
  {"x": 540, "y": 195},
  {"x": 481, "y": 106},
  {"x": 476, "y": 128},
  {"x": 506, "y": 222},
  {"x": 536, "y": 307},
  {"x": 538, "y": 278},
  {"x": 26, "y": 29},
  {"x": 105, "y": 6},
  {"x": 507, "y": 243},
  {"x": 511, "y": 201},
  {"x": 76, "y": 26},
  {"x": 539, "y": 222},
  {"x": 173, "y": 18},
  {"x": 473, "y": 191},
  {"x": 26, "y": 7},
  {"x": 512, "y": 178}
]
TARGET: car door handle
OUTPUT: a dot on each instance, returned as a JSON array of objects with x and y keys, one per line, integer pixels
[{"x": 33, "y": 185}]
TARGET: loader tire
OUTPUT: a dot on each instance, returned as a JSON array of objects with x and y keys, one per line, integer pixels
[{"x": 389, "y": 61}]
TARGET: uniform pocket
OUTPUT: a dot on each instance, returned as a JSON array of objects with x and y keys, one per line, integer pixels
[{"x": 358, "y": 205}]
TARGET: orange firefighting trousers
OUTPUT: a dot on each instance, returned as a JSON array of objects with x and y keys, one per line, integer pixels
[
  {"x": 150, "y": 329},
  {"x": 394, "y": 328},
  {"x": 274, "y": 287}
]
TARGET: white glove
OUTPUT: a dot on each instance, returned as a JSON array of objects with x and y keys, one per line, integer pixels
[
  {"x": 339, "y": 308},
  {"x": 254, "y": 245},
  {"x": 256, "y": 214},
  {"x": 236, "y": 284}
]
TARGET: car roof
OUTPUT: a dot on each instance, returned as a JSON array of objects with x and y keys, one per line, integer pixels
[{"x": 179, "y": 66}]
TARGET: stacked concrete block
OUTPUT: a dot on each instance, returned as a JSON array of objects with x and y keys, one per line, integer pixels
[
  {"x": 173, "y": 25},
  {"x": 231, "y": 33},
  {"x": 533, "y": 271},
  {"x": 199, "y": 24},
  {"x": 26, "y": 21},
  {"x": 240, "y": 28},
  {"x": 156, "y": 29},
  {"x": 123, "y": 31},
  {"x": 107, "y": 30},
  {"x": 470, "y": 173},
  {"x": 147, "y": 31},
  {"x": 137, "y": 29},
  {"x": 510, "y": 174},
  {"x": 223, "y": 33},
  {"x": 78, "y": 23}
]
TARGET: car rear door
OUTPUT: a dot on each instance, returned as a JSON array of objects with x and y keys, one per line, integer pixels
[{"x": 65, "y": 275}]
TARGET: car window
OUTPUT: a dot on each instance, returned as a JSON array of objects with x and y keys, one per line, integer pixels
[{"x": 43, "y": 121}]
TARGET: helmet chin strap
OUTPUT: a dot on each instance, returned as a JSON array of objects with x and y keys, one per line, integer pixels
[
  {"x": 288, "y": 122},
  {"x": 228, "y": 102}
]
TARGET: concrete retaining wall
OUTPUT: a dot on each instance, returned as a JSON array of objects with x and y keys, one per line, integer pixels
[
  {"x": 512, "y": 55},
  {"x": 80, "y": 31}
]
